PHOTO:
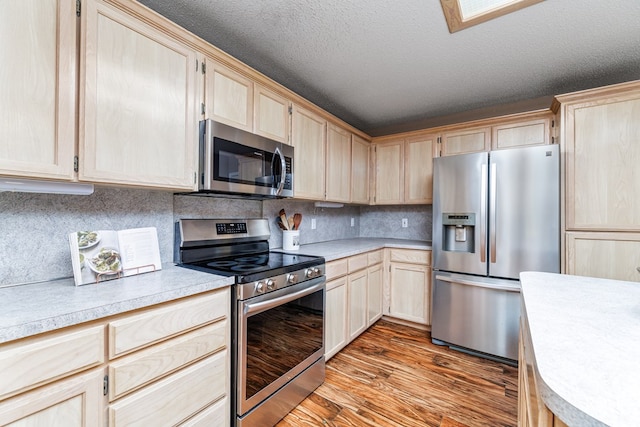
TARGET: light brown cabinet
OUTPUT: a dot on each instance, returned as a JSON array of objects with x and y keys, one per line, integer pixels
[
  {"x": 38, "y": 89},
  {"x": 388, "y": 172},
  {"x": 338, "y": 166},
  {"x": 359, "y": 170},
  {"x": 308, "y": 136},
  {"x": 163, "y": 364},
  {"x": 336, "y": 335},
  {"x": 604, "y": 255},
  {"x": 272, "y": 118},
  {"x": 228, "y": 96},
  {"x": 138, "y": 123},
  {"x": 408, "y": 294},
  {"x": 375, "y": 283},
  {"x": 462, "y": 141}
]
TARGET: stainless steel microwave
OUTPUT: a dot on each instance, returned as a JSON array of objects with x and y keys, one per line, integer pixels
[{"x": 236, "y": 162}]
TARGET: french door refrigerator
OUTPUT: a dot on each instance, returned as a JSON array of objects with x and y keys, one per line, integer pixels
[{"x": 494, "y": 215}]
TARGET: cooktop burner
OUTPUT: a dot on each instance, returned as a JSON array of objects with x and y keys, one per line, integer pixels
[{"x": 267, "y": 264}]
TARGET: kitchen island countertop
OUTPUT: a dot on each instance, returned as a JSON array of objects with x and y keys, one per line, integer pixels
[
  {"x": 336, "y": 249},
  {"x": 585, "y": 335},
  {"x": 31, "y": 309}
]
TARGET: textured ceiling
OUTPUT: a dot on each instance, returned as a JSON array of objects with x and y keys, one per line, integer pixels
[{"x": 385, "y": 66}]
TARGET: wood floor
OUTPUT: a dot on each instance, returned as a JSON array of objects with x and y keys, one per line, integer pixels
[{"x": 392, "y": 375}]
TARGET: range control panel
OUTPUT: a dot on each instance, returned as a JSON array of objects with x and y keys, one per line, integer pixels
[{"x": 231, "y": 228}]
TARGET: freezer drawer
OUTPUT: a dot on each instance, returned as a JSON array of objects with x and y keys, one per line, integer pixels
[{"x": 476, "y": 313}]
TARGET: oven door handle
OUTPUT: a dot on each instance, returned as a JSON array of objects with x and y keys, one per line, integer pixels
[{"x": 258, "y": 307}]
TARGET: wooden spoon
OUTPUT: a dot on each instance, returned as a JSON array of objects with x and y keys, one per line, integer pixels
[
  {"x": 297, "y": 219},
  {"x": 290, "y": 223},
  {"x": 283, "y": 218}
]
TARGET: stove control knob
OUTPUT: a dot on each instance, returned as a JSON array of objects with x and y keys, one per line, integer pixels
[
  {"x": 292, "y": 278},
  {"x": 259, "y": 287},
  {"x": 312, "y": 272},
  {"x": 270, "y": 284}
]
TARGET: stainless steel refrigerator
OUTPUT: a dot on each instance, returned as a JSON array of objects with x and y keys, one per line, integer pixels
[{"x": 494, "y": 215}]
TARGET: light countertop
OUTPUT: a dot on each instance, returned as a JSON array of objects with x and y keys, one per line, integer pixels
[
  {"x": 585, "y": 335},
  {"x": 336, "y": 249},
  {"x": 42, "y": 307}
]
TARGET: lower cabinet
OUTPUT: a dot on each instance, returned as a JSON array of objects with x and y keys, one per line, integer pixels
[
  {"x": 409, "y": 285},
  {"x": 73, "y": 402},
  {"x": 163, "y": 365},
  {"x": 606, "y": 255},
  {"x": 532, "y": 412},
  {"x": 354, "y": 298}
]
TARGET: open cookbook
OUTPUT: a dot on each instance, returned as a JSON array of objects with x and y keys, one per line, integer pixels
[{"x": 108, "y": 254}]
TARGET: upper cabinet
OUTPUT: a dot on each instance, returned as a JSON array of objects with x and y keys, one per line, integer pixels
[
  {"x": 38, "y": 88},
  {"x": 272, "y": 118},
  {"x": 338, "y": 181},
  {"x": 359, "y": 170},
  {"x": 308, "y": 136},
  {"x": 518, "y": 130},
  {"x": 404, "y": 170},
  {"x": 462, "y": 141},
  {"x": 138, "y": 122},
  {"x": 601, "y": 139},
  {"x": 228, "y": 96}
]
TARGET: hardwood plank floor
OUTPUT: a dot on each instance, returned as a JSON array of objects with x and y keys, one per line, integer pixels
[{"x": 392, "y": 375}]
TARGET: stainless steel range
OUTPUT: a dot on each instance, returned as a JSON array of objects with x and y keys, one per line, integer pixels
[{"x": 277, "y": 313}]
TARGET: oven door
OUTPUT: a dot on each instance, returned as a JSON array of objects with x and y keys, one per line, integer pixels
[
  {"x": 279, "y": 335},
  {"x": 236, "y": 161}
]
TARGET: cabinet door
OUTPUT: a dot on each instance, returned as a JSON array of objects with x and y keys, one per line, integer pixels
[
  {"x": 409, "y": 292},
  {"x": 521, "y": 134},
  {"x": 37, "y": 88},
  {"x": 604, "y": 255},
  {"x": 602, "y": 139},
  {"x": 336, "y": 318},
  {"x": 466, "y": 141},
  {"x": 338, "y": 164},
  {"x": 308, "y": 136},
  {"x": 228, "y": 96},
  {"x": 271, "y": 115},
  {"x": 74, "y": 402},
  {"x": 138, "y": 122},
  {"x": 418, "y": 169},
  {"x": 357, "y": 303},
  {"x": 374, "y": 294},
  {"x": 389, "y": 173},
  {"x": 359, "y": 170}
]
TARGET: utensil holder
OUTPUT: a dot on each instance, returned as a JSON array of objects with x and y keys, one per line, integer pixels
[{"x": 291, "y": 240}]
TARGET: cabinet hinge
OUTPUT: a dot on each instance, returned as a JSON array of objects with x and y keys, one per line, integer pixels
[
  {"x": 75, "y": 164},
  {"x": 105, "y": 385},
  {"x": 196, "y": 65},
  {"x": 553, "y": 140},
  {"x": 204, "y": 68},
  {"x": 553, "y": 123},
  {"x": 202, "y": 109},
  {"x": 78, "y": 7},
  {"x": 290, "y": 110},
  {"x": 195, "y": 177}
]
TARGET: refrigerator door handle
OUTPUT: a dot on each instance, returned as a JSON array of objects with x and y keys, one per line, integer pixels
[
  {"x": 496, "y": 286},
  {"x": 492, "y": 212},
  {"x": 483, "y": 213}
]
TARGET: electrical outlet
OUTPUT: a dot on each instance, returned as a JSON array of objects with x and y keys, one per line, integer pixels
[
  {"x": 313, "y": 223},
  {"x": 353, "y": 222},
  {"x": 405, "y": 222}
]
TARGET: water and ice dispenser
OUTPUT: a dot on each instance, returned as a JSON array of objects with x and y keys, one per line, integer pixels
[{"x": 458, "y": 234}]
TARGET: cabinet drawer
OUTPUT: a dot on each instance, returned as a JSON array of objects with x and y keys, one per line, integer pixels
[
  {"x": 147, "y": 365},
  {"x": 36, "y": 361},
  {"x": 411, "y": 256},
  {"x": 374, "y": 257},
  {"x": 216, "y": 415},
  {"x": 336, "y": 268},
  {"x": 156, "y": 324},
  {"x": 357, "y": 262},
  {"x": 176, "y": 397}
]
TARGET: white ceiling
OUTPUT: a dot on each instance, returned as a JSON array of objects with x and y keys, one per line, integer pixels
[{"x": 386, "y": 66}]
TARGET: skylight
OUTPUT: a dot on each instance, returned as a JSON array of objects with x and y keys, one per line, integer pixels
[{"x": 461, "y": 14}]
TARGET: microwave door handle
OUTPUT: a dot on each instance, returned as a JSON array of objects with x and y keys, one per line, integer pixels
[{"x": 283, "y": 168}]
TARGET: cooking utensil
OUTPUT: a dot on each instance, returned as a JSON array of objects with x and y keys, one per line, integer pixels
[
  {"x": 297, "y": 219},
  {"x": 283, "y": 218},
  {"x": 280, "y": 224},
  {"x": 290, "y": 223}
]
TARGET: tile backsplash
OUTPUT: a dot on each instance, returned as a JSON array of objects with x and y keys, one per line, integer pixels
[{"x": 33, "y": 236}]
